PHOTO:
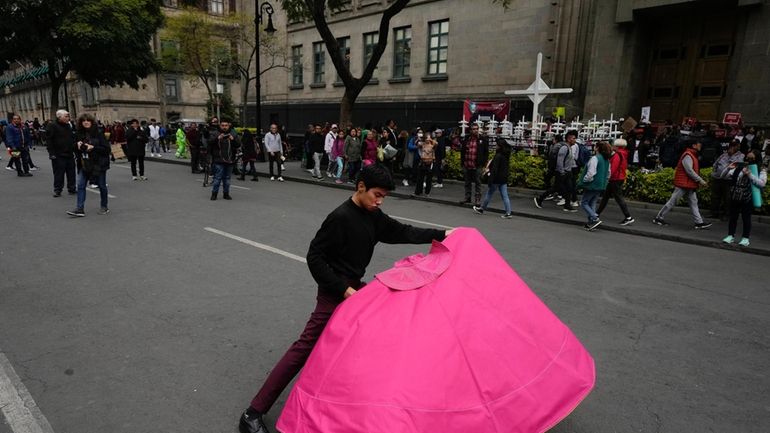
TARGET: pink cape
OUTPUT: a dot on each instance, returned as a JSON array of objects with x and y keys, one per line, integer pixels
[{"x": 450, "y": 342}]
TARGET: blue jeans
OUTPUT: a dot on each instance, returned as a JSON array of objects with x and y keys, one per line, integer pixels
[
  {"x": 340, "y": 164},
  {"x": 222, "y": 173},
  {"x": 503, "y": 188},
  {"x": 101, "y": 181},
  {"x": 588, "y": 203}
]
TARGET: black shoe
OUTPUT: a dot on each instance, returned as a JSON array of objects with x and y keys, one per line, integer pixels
[
  {"x": 659, "y": 221},
  {"x": 627, "y": 221},
  {"x": 25, "y": 174},
  {"x": 76, "y": 213},
  {"x": 703, "y": 225},
  {"x": 57, "y": 193},
  {"x": 252, "y": 424},
  {"x": 226, "y": 196},
  {"x": 213, "y": 196},
  {"x": 478, "y": 210},
  {"x": 72, "y": 192},
  {"x": 241, "y": 177}
]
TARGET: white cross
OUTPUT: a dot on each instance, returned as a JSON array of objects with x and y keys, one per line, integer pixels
[{"x": 538, "y": 90}]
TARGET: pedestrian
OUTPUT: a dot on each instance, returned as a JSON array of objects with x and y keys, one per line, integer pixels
[
  {"x": 566, "y": 167},
  {"x": 352, "y": 153},
  {"x": 407, "y": 161},
  {"x": 328, "y": 143},
  {"x": 741, "y": 180},
  {"x": 136, "y": 138},
  {"x": 163, "y": 133},
  {"x": 473, "y": 158},
  {"x": 273, "y": 147},
  {"x": 154, "y": 138},
  {"x": 426, "y": 152},
  {"x": 438, "y": 167},
  {"x": 553, "y": 190},
  {"x": 369, "y": 153},
  {"x": 317, "y": 147},
  {"x": 618, "y": 169},
  {"x": 499, "y": 171},
  {"x": 720, "y": 180},
  {"x": 337, "y": 259},
  {"x": 249, "y": 146},
  {"x": 223, "y": 148},
  {"x": 594, "y": 180},
  {"x": 193, "y": 136},
  {"x": 93, "y": 161},
  {"x": 686, "y": 182},
  {"x": 338, "y": 156},
  {"x": 181, "y": 142},
  {"x": 17, "y": 139},
  {"x": 61, "y": 152}
]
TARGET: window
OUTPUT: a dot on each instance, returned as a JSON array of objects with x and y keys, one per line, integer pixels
[
  {"x": 319, "y": 60},
  {"x": 402, "y": 48},
  {"x": 217, "y": 7},
  {"x": 438, "y": 47},
  {"x": 370, "y": 41},
  {"x": 344, "y": 44},
  {"x": 296, "y": 65},
  {"x": 171, "y": 89}
]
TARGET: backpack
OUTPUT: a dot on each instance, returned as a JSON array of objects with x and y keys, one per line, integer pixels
[
  {"x": 584, "y": 154},
  {"x": 740, "y": 186}
]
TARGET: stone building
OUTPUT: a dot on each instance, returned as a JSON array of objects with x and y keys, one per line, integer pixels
[
  {"x": 696, "y": 58},
  {"x": 165, "y": 96}
]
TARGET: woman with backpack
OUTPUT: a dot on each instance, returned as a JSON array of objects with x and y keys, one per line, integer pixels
[
  {"x": 499, "y": 170},
  {"x": 593, "y": 179},
  {"x": 741, "y": 181}
]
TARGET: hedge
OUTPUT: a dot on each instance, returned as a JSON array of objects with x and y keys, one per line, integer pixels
[{"x": 527, "y": 172}]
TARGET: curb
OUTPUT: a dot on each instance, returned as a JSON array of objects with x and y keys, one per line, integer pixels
[{"x": 549, "y": 218}]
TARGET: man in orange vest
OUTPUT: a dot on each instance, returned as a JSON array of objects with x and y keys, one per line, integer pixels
[{"x": 686, "y": 182}]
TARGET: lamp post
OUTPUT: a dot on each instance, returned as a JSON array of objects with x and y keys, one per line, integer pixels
[{"x": 259, "y": 12}]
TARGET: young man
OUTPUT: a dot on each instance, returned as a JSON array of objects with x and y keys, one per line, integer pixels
[
  {"x": 686, "y": 182},
  {"x": 223, "y": 148},
  {"x": 337, "y": 258},
  {"x": 473, "y": 158},
  {"x": 274, "y": 146}
]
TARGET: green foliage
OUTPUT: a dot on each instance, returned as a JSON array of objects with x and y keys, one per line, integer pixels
[{"x": 526, "y": 170}]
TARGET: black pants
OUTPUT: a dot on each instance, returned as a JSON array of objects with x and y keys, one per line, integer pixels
[
  {"x": 20, "y": 164},
  {"x": 61, "y": 167},
  {"x": 195, "y": 155},
  {"x": 275, "y": 157},
  {"x": 614, "y": 190},
  {"x": 472, "y": 176},
  {"x": 252, "y": 168},
  {"x": 133, "y": 160},
  {"x": 555, "y": 188},
  {"x": 424, "y": 174},
  {"x": 745, "y": 210},
  {"x": 720, "y": 189}
]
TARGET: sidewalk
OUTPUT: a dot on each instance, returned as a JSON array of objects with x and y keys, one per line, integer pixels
[{"x": 680, "y": 230}]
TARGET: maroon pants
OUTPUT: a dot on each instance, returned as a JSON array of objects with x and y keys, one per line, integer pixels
[{"x": 294, "y": 358}]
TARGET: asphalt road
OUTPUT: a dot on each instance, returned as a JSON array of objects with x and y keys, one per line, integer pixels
[{"x": 144, "y": 321}]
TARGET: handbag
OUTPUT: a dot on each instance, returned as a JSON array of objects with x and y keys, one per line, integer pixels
[{"x": 390, "y": 151}]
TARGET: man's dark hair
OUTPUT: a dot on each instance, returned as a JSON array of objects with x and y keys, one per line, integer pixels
[
  {"x": 571, "y": 132},
  {"x": 133, "y": 121},
  {"x": 376, "y": 176}
]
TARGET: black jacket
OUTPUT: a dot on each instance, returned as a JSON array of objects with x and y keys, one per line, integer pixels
[
  {"x": 96, "y": 161},
  {"x": 500, "y": 168},
  {"x": 223, "y": 150},
  {"x": 135, "y": 141},
  {"x": 317, "y": 143},
  {"x": 61, "y": 140},
  {"x": 482, "y": 152}
]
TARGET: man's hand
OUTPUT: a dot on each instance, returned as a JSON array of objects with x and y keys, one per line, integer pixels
[{"x": 349, "y": 292}]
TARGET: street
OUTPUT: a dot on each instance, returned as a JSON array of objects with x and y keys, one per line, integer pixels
[{"x": 166, "y": 314}]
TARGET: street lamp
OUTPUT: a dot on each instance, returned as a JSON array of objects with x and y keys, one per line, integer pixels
[{"x": 259, "y": 12}]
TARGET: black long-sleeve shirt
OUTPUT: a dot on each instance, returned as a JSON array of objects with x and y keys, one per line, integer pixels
[{"x": 343, "y": 247}]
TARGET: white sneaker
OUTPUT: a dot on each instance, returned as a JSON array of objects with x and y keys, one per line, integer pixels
[
  {"x": 8, "y": 168},
  {"x": 159, "y": 155},
  {"x": 143, "y": 177},
  {"x": 33, "y": 169},
  {"x": 134, "y": 178},
  {"x": 561, "y": 202},
  {"x": 405, "y": 182},
  {"x": 283, "y": 167},
  {"x": 438, "y": 185},
  {"x": 272, "y": 177},
  {"x": 574, "y": 204},
  {"x": 280, "y": 178}
]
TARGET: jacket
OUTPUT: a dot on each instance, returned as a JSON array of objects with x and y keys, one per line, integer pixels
[
  {"x": 223, "y": 150},
  {"x": 273, "y": 142},
  {"x": 61, "y": 140},
  {"x": 338, "y": 148},
  {"x": 317, "y": 143},
  {"x": 17, "y": 137},
  {"x": 352, "y": 148},
  {"x": 135, "y": 141},
  {"x": 619, "y": 165},
  {"x": 597, "y": 174},
  {"x": 99, "y": 156},
  {"x": 499, "y": 168},
  {"x": 686, "y": 172},
  {"x": 482, "y": 152}
]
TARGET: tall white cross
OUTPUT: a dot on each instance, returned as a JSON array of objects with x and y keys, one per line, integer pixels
[{"x": 538, "y": 90}]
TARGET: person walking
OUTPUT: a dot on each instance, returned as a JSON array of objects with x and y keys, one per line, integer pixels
[
  {"x": 594, "y": 181},
  {"x": 181, "y": 142},
  {"x": 223, "y": 148},
  {"x": 328, "y": 143},
  {"x": 499, "y": 171},
  {"x": 686, "y": 182},
  {"x": 618, "y": 168},
  {"x": 720, "y": 181},
  {"x": 337, "y": 258},
  {"x": 741, "y": 180},
  {"x": 61, "y": 152},
  {"x": 93, "y": 161},
  {"x": 249, "y": 146},
  {"x": 273, "y": 147},
  {"x": 369, "y": 153},
  {"x": 440, "y": 153},
  {"x": 193, "y": 136},
  {"x": 17, "y": 139},
  {"x": 565, "y": 167},
  {"x": 136, "y": 139},
  {"x": 338, "y": 156},
  {"x": 317, "y": 147},
  {"x": 473, "y": 158},
  {"x": 426, "y": 153},
  {"x": 551, "y": 179}
]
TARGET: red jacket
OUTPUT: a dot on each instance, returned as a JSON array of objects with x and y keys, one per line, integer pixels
[
  {"x": 681, "y": 179},
  {"x": 619, "y": 165}
]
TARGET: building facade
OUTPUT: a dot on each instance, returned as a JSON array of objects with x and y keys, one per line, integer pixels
[
  {"x": 166, "y": 96},
  {"x": 696, "y": 58}
]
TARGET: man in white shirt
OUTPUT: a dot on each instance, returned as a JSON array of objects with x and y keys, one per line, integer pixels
[
  {"x": 154, "y": 138},
  {"x": 330, "y": 136},
  {"x": 274, "y": 147}
]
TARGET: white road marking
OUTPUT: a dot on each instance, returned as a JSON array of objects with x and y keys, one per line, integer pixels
[
  {"x": 96, "y": 191},
  {"x": 20, "y": 410},
  {"x": 441, "y": 226},
  {"x": 257, "y": 244}
]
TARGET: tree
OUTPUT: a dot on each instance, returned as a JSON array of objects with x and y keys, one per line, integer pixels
[
  {"x": 105, "y": 42},
  {"x": 199, "y": 51},
  {"x": 268, "y": 48},
  {"x": 316, "y": 10}
]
